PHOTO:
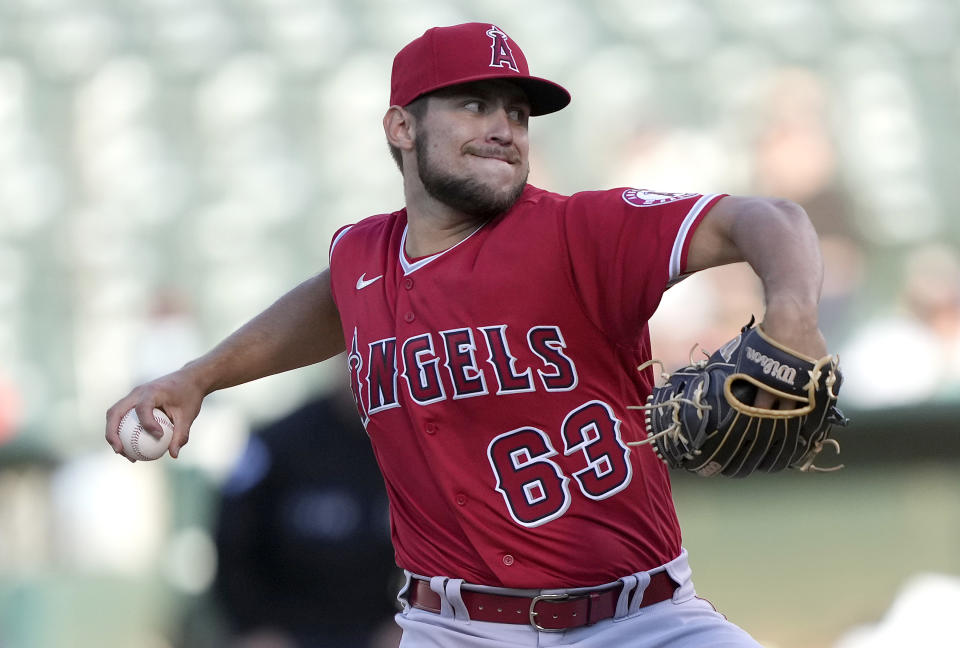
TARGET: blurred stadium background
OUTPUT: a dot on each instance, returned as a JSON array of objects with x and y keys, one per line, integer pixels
[{"x": 169, "y": 167}]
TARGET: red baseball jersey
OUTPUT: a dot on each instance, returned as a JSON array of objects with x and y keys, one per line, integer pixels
[{"x": 493, "y": 379}]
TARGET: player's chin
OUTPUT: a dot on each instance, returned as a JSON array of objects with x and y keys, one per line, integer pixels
[{"x": 505, "y": 179}]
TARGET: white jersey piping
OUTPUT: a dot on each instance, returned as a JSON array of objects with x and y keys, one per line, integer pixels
[
  {"x": 676, "y": 255},
  {"x": 337, "y": 240},
  {"x": 411, "y": 266}
]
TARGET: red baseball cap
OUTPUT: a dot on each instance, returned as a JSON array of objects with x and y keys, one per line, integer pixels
[{"x": 446, "y": 56}]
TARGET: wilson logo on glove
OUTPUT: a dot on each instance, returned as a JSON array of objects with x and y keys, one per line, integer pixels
[{"x": 770, "y": 366}]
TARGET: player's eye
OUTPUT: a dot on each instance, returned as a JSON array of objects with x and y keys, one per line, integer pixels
[
  {"x": 474, "y": 105},
  {"x": 519, "y": 115}
]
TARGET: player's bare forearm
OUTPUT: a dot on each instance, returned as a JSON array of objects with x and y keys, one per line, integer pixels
[
  {"x": 300, "y": 328},
  {"x": 779, "y": 242}
]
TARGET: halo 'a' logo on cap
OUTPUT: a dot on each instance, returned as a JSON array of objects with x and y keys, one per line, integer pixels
[{"x": 502, "y": 55}]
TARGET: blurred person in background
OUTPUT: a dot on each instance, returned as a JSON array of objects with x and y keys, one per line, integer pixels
[
  {"x": 303, "y": 536},
  {"x": 11, "y": 407},
  {"x": 795, "y": 156},
  {"x": 170, "y": 335},
  {"x": 925, "y": 320}
]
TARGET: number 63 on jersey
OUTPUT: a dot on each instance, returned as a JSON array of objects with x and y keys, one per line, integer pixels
[{"x": 534, "y": 486}]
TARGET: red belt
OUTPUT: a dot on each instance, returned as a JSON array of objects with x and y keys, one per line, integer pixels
[{"x": 550, "y": 612}]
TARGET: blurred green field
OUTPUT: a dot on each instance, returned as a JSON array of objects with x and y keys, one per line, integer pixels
[{"x": 799, "y": 559}]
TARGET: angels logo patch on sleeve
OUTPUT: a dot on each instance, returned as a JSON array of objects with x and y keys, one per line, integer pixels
[{"x": 648, "y": 198}]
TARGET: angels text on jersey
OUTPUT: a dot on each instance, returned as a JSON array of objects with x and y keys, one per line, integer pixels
[
  {"x": 454, "y": 364},
  {"x": 469, "y": 362}
]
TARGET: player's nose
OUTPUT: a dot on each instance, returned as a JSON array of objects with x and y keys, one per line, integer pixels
[{"x": 499, "y": 128}]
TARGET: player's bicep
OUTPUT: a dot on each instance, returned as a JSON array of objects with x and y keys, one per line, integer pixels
[
  {"x": 330, "y": 331},
  {"x": 712, "y": 243}
]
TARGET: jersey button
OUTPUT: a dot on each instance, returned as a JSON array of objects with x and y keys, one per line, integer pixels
[
  {"x": 409, "y": 317},
  {"x": 408, "y": 283},
  {"x": 431, "y": 428},
  {"x": 461, "y": 499},
  {"x": 508, "y": 560}
]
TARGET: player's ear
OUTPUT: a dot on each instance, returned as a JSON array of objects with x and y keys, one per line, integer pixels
[{"x": 399, "y": 128}]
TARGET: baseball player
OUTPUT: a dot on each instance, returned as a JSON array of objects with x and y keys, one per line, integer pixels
[{"x": 492, "y": 333}]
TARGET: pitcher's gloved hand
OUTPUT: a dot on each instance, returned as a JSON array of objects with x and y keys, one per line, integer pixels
[{"x": 703, "y": 418}]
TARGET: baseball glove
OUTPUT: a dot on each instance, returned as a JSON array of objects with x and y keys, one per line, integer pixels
[{"x": 703, "y": 418}]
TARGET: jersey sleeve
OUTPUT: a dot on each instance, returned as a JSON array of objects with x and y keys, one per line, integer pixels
[
  {"x": 625, "y": 247},
  {"x": 337, "y": 236},
  {"x": 336, "y": 239}
]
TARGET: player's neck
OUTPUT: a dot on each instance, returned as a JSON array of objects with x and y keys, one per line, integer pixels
[
  {"x": 428, "y": 235},
  {"x": 433, "y": 226}
]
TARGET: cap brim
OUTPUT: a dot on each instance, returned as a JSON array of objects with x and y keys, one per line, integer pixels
[{"x": 545, "y": 96}]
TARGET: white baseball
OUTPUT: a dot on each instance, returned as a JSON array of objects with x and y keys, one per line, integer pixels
[{"x": 140, "y": 444}]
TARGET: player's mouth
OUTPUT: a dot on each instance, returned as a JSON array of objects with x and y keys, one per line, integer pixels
[{"x": 510, "y": 156}]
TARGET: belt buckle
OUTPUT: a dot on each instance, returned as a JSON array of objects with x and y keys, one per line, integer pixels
[{"x": 533, "y": 613}]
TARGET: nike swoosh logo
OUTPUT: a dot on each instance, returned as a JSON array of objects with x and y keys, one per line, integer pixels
[{"x": 363, "y": 283}]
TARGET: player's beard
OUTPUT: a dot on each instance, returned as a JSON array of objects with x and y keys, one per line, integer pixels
[{"x": 466, "y": 195}]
